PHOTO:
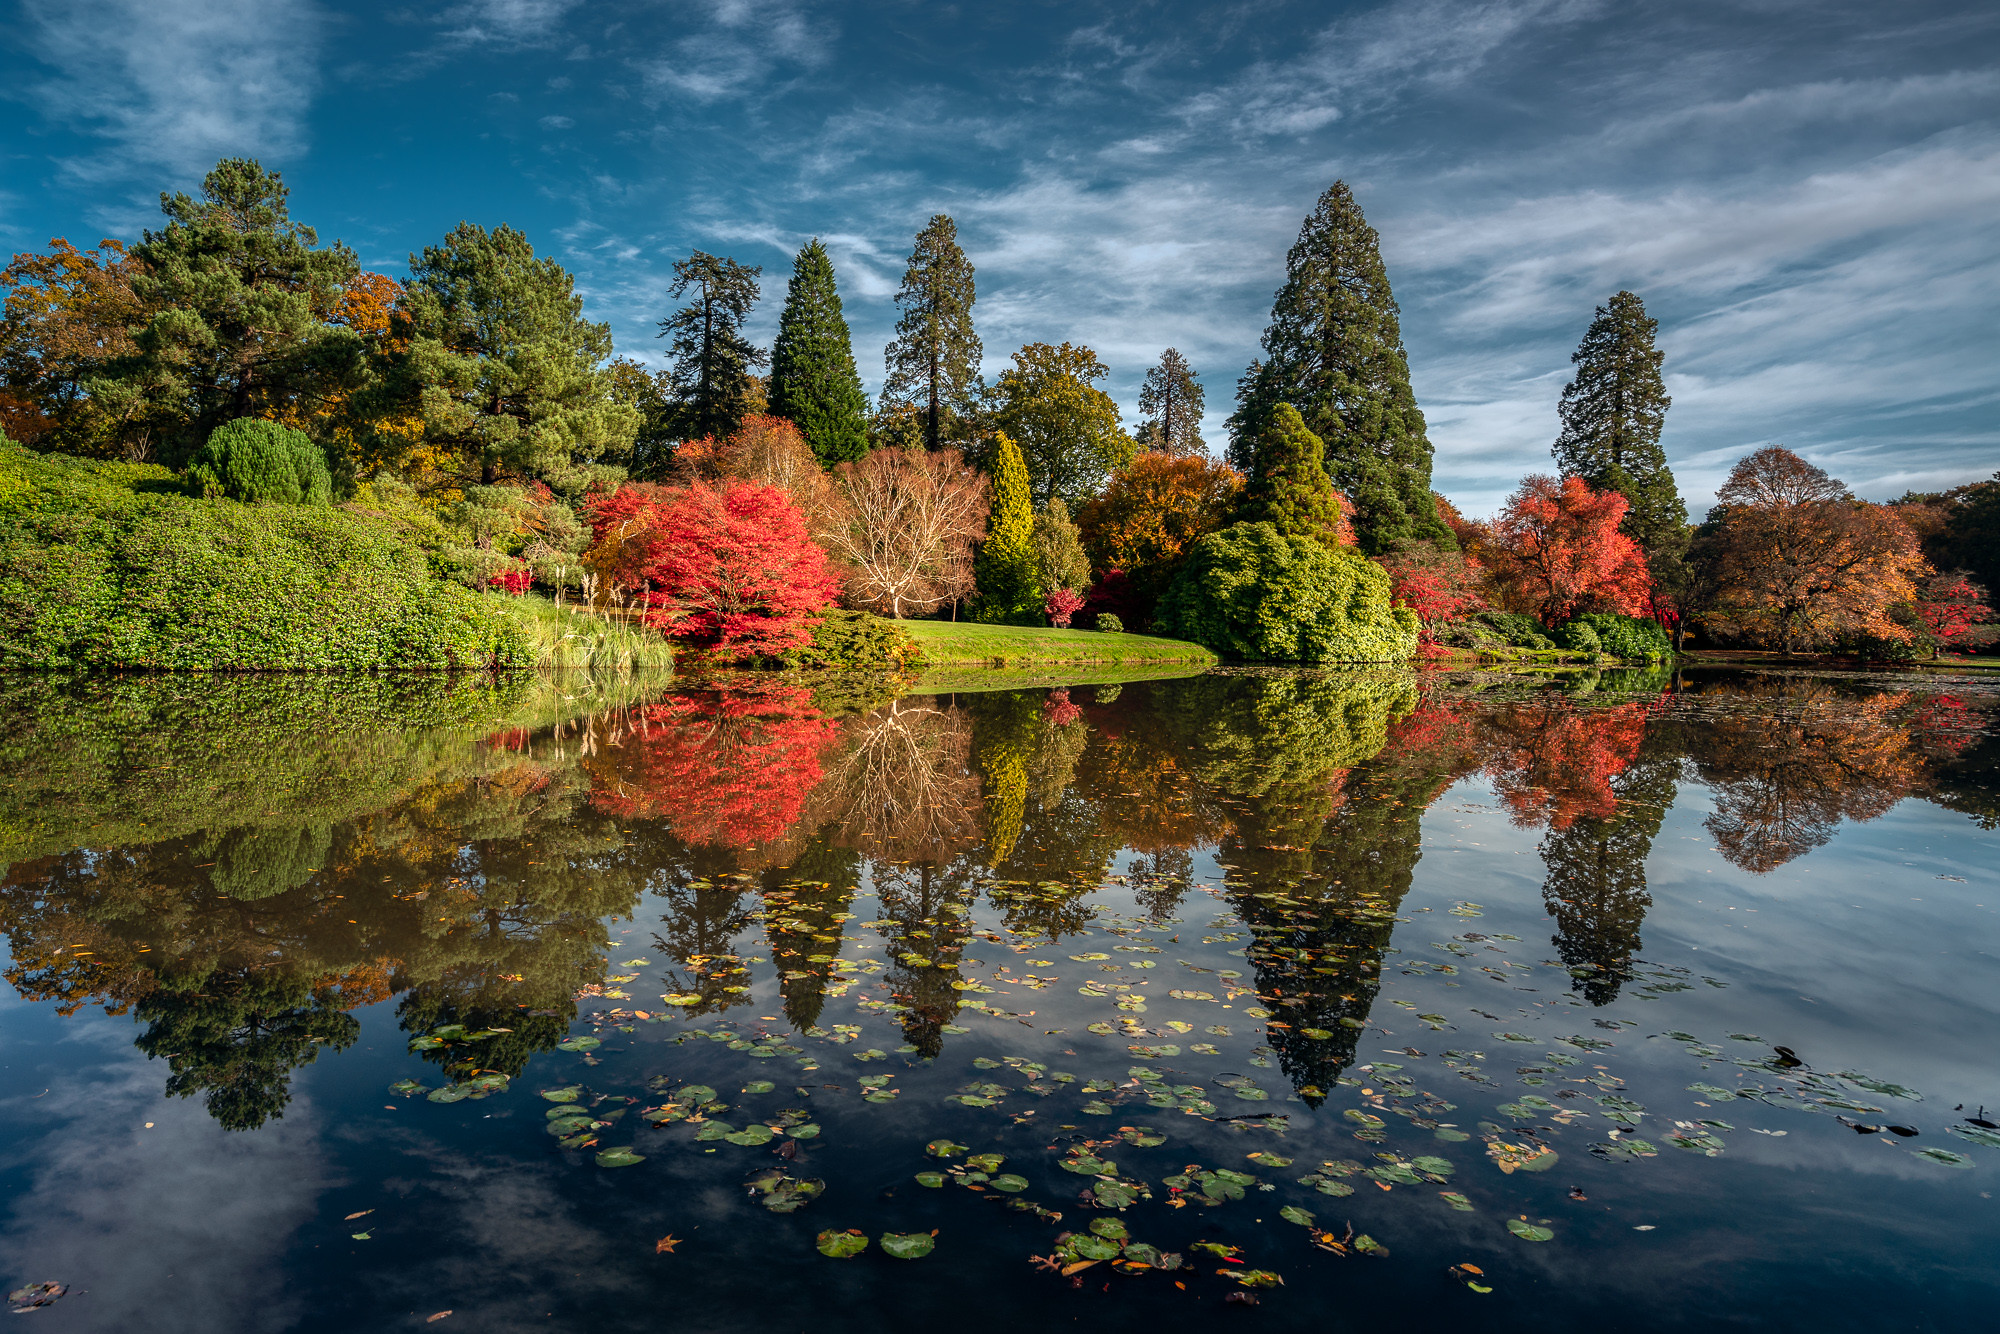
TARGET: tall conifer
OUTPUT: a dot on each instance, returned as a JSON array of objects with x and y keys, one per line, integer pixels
[
  {"x": 1288, "y": 485},
  {"x": 710, "y": 374},
  {"x": 934, "y": 361},
  {"x": 1612, "y": 413},
  {"x": 813, "y": 381},
  {"x": 1172, "y": 399},
  {"x": 1334, "y": 350},
  {"x": 1005, "y": 566}
]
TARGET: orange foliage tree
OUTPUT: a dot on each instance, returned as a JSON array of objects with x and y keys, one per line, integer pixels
[
  {"x": 1556, "y": 552},
  {"x": 67, "y": 313},
  {"x": 1795, "y": 559}
]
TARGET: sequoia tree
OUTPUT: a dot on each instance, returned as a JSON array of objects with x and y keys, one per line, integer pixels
[
  {"x": 711, "y": 359},
  {"x": 1612, "y": 413},
  {"x": 813, "y": 381},
  {"x": 1334, "y": 351},
  {"x": 1172, "y": 399},
  {"x": 934, "y": 361}
]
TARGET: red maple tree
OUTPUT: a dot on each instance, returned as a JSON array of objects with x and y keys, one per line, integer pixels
[
  {"x": 1557, "y": 552},
  {"x": 1953, "y": 609},
  {"x": 1061, "y": 605},
  {"x": 729, "y": 567}
]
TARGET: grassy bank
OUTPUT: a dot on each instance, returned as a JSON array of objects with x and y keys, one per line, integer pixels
[{"x": 958, "y": 644}]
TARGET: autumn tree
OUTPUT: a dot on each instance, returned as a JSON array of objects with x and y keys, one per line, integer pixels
[
  {"x": 813, "y": 381},
  {"x": 731, "y": 568},
  {"x": 1798, "y": 561},
  {"x": 1172, "y": 399},
  {"x": 1439, "y": 586},
  {"x": 241, "y": 300},
  {"x": 1557, "y": 551},
  {"x": 1152, "y": 511},
  {"x": 933, "y": 362},
  {"x": 1005, "y": 567},
  {"x": 1959, "y": 529},
  {"x": 712, "y": 362},
  {"x": 1288, "y": 486},
  {"x": 1612, "y": 414},
  {"x": 508, "y": 378},
  {"x": 1067, "y": 429},
  {"x": 774, "y": 451},
  {"x": 903, "y": 526},
  {"x": 66, "y": 314},
  {"x": 1334, "y": 351}
]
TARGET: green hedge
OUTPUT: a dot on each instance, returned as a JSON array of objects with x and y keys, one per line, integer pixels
[
  {"x": 107, "y": 565},
  {"x": 1251, "y": 592},
  {"x": 855, "y": 640},
  {"x": 1629, "y": 637}
]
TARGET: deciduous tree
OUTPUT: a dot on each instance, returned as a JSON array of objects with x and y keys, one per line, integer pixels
[
  {"x": 1059, "y": 559},
  {"x": 1172, "y": 398},
  {"x": 1557, "y": 551},
  {"x": 903, "y": 525},
  {"x": 1067, "y": 429},
  {"x": 933, "y": 363},
  {"x": 67, "y": 313},
  {"x": 1152, "y": 510},
  {"x": 711, "y": 371},
  {"x": 813, "y": 382}
]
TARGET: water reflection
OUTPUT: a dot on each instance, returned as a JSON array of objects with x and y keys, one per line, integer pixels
[{"x": 239, "y": 865}]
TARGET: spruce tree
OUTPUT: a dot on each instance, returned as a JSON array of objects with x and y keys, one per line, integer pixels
[
  {"x": 1009, "y": 593},
  {"x": 1334, "y": 350},
  {"x": 711, "y": 360},
  {"x": 1288, "y": 485},
  {"x": 934, "y": 361},
  {"x": 1172, "y": 399},
  {"x": 1612, "y": 413},
  {"x": 813, "y": 381}
]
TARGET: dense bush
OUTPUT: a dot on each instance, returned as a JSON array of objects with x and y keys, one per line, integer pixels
[
  {"x": 1635, "y": 638},
  {"x": 254, "y": 460},
  {"x": 855, "y": 640},
  {"x": 1579, "y": 636},
  {"x": 1110, "y": 624},
  {"x": 1250, "y": 592},
  {"x": 107, "y": 565}
]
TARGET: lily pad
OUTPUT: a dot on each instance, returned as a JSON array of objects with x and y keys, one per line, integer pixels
[
  {"x": 570, "y": 1094},
  {"x": 1291, "y": 1213},
  {"x": 842, "y": 1245},
  {"x": 620, "y": 1157},
  {"x": 1456, "y": 1201},
  {"x": 908, "y": 1245},
  {"x": 985, "y": 1162},
  {"x": 943, "y": 1148},
  {"x": 1083, "y": 1246},
  {"x": 1527, "y": 1231},
  {"x": 931, "y": 1179},
  {"x": 751, "y": 1136},
  {"x": 759, "y": 1086},
  {"x": 1008, "y": 1182},
  {"x": 1945, "y": 1157},
  {"x": 579, "y": 1044}
]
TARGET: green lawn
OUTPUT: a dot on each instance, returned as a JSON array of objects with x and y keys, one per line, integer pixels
[{"x": 948, "y": 643}]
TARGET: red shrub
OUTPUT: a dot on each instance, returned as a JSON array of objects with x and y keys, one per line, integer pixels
[{"x": 1061, "y": 605}]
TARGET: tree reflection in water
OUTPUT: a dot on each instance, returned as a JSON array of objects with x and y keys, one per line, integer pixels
[{"x": 472, "y": 871}]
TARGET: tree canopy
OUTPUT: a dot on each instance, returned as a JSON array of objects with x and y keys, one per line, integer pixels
[
  {"x": 1173, "y": 399},
  {"x": 1288, "y": 486},
  {"x": 933, "y": 363},
  {"x": 1067, "y": 428}
]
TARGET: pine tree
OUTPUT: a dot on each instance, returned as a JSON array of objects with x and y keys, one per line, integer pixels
[
  {"x": 1009, "y": 593},
  {"x": 1173, "y": 399},
  {"x": 934, "y": 361},
  {"x": 1334, "y": 350},
  {"x": 1612, "y": 413},
  {"x": 1288, "y": 486},
  {"x": 813, "y": 381},
  {"x": 711, "y": 361}
]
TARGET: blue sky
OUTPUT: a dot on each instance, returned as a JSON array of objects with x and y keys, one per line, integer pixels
[{"x": 1806, "y": 194}]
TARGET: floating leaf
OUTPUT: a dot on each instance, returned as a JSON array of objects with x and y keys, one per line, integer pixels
[
  {"x": 759, "y": 1086},
  {"x": 619, "y": 1158},
  {"x": 751, "y": 1136},
  {"x": 1456, "y": 1201},
  {"x": 931, "y": 1179},
  {"x": 1009, "y": 1183},
  {"x": 908, "y": 1245},
  {"x": 569, "y": 1094},
  {"x": 579, "y": 1044},
  {"x": 1114, "y": 1228},
  {"x": 943, "y": 1148},
  {"x": 1083, "y": 1246},
  {"x": 1527, "y": 1231},
  {"x": 842, "y": 1245},
  {"x": 1291, "y": 1213},
  {"x": 1989, "y": 1138},
  {"x": 1944, "y": 1156}
]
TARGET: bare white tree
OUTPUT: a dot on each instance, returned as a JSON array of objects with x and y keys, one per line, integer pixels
[{"x": 904, "y": 524}]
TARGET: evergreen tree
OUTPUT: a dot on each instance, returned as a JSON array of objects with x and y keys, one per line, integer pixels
[
  {"x": 241, "y": 297},
  {"x": 1059, "y": 558},
  {"x": 1334, "y": 350},
  {"x": 500, "y": 366},
  {"x": 1288, "y": 485},
  {"x": 1173, "y": 399},
  {"x": 1009, "y": 593},
  {"x": 711, "y": 361},
  {"x": 1612, "y": 413},
  {"x": 934, "y": 361},
  {"x": 813, "y": 381}
]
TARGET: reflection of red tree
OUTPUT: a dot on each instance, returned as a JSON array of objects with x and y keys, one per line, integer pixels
[
  {"x": 1060, "y": 711},
  {"x": 730, "y": 769},
  {"x": 1556, "y": 761}
]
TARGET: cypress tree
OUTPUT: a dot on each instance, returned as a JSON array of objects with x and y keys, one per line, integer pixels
[
  {"x": 1005, "y": 566},
  {"x": 1334, "y": 350},
  {"x": 1612, "y": 413},
  {"x": 710, "y": 374},
  {"x": 1288, "y": 486},
  {"x": 813, "y": 381},
  {"x": 934, "y": 359}
]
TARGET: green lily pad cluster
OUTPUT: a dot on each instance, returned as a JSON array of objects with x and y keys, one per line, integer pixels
[
  {"x": 782, "y": 1193},
  {"x": 1211, "y": 1186}
]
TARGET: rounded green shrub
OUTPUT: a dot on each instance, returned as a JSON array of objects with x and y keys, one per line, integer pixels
[
  {"x": 1251, "y": 592},
  {"x": 1109, "y": 624},
  {"x": 1579, "y": 636},
  {"x": 1633, "y": 638},
  {"x": 255, "y": 460}
]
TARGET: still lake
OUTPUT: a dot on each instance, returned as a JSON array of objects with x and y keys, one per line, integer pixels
[{"x": 1648, "y": 1000}]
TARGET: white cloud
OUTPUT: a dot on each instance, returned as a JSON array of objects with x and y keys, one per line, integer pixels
[
  {"x": 175, "y": 83},
  {"x": 505, "y": 22},
  {"x": 737, "y": 46}
]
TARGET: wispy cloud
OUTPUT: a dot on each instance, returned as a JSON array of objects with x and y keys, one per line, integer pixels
[
  {"x": 505, "y": 22},
  {"x": 735, "y": 46},
  {"x": 173, "y": 83}
]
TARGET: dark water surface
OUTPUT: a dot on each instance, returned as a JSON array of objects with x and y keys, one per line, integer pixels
[{"x": 1665, "y": 1001}]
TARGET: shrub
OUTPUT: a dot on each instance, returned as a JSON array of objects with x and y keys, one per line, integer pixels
[
  {"x": 1109, "y": 624},
  {"x": 1250, "y": 592},
  {"x": 109, "y": 565},
  {"x": 1061, "y": 605},
  {"x": 260, "y": 461},
  {"x": 1515, "y": 629},
  {"x": 855, "y": 640},
  {"x": 1635, "y": 638},
  {"x": 1579, "y": 636}
]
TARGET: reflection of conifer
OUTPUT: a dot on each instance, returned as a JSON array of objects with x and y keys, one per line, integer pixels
[
  {"x": 1161, "y": 881},
  {"x": 802, "y": 905},
  {"x": 931, "y": 906},
  {"x": 1596, "y": 887}
]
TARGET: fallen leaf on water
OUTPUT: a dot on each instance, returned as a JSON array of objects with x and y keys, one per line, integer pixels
[
  {"x": 439, "y": 1316},
  {"x": 35, "y": 1296},
  {"x": 363, "y": 1214},
  {"x": 665, "y": 1245}
]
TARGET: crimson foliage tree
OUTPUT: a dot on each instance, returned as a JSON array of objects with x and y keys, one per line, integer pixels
[
  {"x": 728, "y": 567},
  {"x": 1557, "y": 552}
]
